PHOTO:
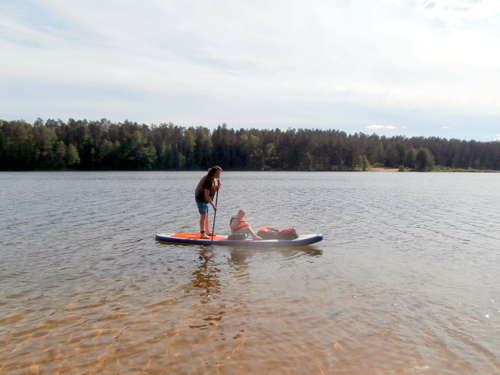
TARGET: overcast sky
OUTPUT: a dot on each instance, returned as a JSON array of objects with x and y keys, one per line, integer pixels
[{"x": 414, "y": 68}]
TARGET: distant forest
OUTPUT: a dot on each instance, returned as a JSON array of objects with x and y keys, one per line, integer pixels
[{"x": 104, "y": 145}]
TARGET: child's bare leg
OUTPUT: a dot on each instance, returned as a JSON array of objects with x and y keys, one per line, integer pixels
[{"x": 249, "y": 229}]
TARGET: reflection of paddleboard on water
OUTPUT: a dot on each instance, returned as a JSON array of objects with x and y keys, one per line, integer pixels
[{"x": 222, "y": 240}]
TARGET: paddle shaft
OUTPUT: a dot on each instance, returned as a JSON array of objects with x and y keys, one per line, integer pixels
[{"x": 215, "y": 211}]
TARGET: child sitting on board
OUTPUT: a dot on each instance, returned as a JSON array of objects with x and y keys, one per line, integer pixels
[{"x": 238, "y": 225}]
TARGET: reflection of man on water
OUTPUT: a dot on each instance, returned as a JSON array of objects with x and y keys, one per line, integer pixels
[{"x": 206, "y": 278}]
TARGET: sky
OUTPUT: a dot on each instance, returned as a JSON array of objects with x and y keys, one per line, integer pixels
[{"x": 411, "y": 68}]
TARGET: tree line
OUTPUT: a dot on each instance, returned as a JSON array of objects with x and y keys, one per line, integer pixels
[{"x": 104, "y": 145}]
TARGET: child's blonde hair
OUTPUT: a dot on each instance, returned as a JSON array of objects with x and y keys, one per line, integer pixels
[{"x": 241, "y": 213}]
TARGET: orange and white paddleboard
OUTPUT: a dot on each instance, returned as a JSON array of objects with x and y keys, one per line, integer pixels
[{"x": 223, "y": 240}]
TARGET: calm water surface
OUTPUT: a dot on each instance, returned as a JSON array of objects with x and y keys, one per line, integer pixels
[{"x": 406, "y": 280}]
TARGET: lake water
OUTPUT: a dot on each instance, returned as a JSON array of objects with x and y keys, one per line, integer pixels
[{"x": 406, "y": 280}]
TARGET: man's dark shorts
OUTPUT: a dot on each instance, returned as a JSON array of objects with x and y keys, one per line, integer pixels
[{"x": 202, "y": 207}]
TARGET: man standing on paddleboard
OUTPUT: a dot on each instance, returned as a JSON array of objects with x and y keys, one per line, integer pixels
[{"x": 204, "y": 194}]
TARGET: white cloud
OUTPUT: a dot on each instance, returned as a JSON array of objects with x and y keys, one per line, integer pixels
[
  {"x": 375, "y": 127},
  {"x": 460, "y": 12}
]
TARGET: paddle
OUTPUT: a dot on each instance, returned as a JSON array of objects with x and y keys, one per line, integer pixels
[{"x": 215, "y": 213}]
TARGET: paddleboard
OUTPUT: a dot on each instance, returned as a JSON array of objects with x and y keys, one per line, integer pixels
[{"x": 222, "y": 240}]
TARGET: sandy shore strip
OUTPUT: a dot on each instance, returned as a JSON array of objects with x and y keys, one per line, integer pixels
[{"x": 383, "y": 170}]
